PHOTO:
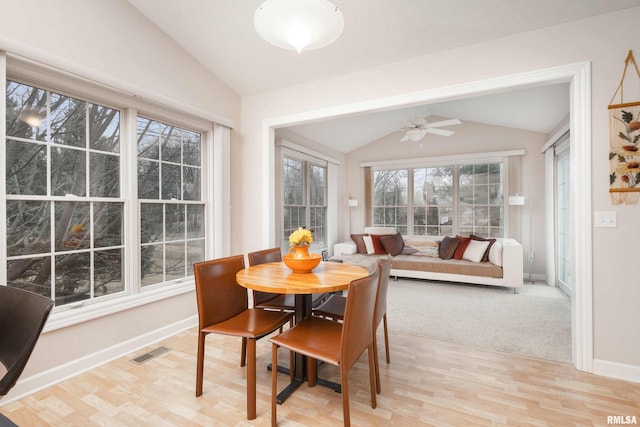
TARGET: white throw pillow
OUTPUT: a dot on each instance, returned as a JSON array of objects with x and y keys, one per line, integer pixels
[
  {"x": 475, "y": 250},
  {"x": 368, "y": 243},
  {"x": 495, "y": 254}
]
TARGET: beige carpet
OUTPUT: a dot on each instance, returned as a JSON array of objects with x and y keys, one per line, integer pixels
[{"x": 534, "y": 322}]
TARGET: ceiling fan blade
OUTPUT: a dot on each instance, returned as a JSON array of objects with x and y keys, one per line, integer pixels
[
  {"x": 450, "y": 122},
  {"x": 405, "y": 138},
  {"x": 442, "y": 132}
]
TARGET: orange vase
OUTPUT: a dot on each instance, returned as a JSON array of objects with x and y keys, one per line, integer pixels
[{"x": 299, "y": 252}]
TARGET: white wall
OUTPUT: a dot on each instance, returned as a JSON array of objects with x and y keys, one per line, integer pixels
[
  {"x": 110, "y": 41},
  {"x": 603, "y": 40}
]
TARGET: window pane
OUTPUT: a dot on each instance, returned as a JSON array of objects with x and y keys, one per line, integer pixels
[
  {"x": 108, "y": 224},
  {"x": 195, "y": 221},
  {"x": 28, "y": 227},
  {"x": 104, "y": 175},
  {"x": 191, "y": 150},
  {"x": 109, "y": 270},
  {"x": 151, "y": 264},
  {"x": 68, "y": 171},
  {"x": 151, "y": 222},
  {"x": 191, "y": 183},
  {"x": 171, "y": 188},
  {"x": 104, "y": 129},
  {"x": 148, "y": 139},
  {"x": 72, "y": 225},
  {"x": 293, "y": 182},
  {"x": 317, "y": 185},
  {"x": 174, "y": 222},
  {"x": 30, "y": 274},
  {"x": 195, "y": 253},
  {"x": 26, "y": 168},
  {"x": 148, "y": 179},
  {"x": 175, "y": 261},
  {"x": 26, "y": 112},
  {"x": 67, "y": 121},
  {"x": 171, "y": 144},
  {"x": 73, "y": 278}
]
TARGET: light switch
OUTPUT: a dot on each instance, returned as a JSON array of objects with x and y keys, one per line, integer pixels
[{"x": 606, "y": 219}]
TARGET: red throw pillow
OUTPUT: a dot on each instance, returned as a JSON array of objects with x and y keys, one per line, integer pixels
[
  {"x": 485, "y": 257},
  {"x": 378, "y": 247},
  {"x": 357, "y": 239},
  {"x": 464, "y": 242}
]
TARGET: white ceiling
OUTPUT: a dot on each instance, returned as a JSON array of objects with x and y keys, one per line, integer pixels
[{"x": 220, "y": 34}]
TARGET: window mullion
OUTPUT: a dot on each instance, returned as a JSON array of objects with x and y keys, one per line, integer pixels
[{"x": 129, "y": 186}]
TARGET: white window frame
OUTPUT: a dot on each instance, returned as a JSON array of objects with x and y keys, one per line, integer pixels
[
  {"x": 112, "y": 93},
  {"x": 453, "y": 160}
]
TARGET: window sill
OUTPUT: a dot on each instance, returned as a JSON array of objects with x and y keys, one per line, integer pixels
[{"x": 82, "y": 313}]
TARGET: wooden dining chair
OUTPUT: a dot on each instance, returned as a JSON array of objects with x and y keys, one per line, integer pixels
[
  {"x": 339, "y": 344},
  {"x": 271, "y": 301},
  {"x": 334, "y": 308},
  {"x": 223, "y": 308}
]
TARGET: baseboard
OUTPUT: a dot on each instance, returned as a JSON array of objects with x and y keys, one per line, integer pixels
[
  {"x": 615, "y": 370},
  {"x": 34, "y": 383}
]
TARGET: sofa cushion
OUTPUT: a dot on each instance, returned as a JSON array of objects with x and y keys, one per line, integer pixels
[
  {"x": 393, "y": 244},
  {"x": 464, "y": 242},
  {"x": 357, "y": 239},
  {"x": 451, "y": 266},
  {"x": 485, "y": 257},
  {"x": 448, "y": 247},
  {"x": 475, "y": 250},
  {"x": 427, "y": 248},
  {"x": 368, "y": 243}
]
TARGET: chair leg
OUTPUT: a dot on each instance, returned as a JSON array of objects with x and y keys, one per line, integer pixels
[
  {"x": 243, "y": 353},
  {"x": 274, "y": 382},
  {"x": 376, "y": 365},
  {"x": 372, "y": 380},
  {"x": 200, "y": 363},
  {"x": 386, "y": 338},
  {"x": 344, "y": 375},
  {"x": 251, "y": 379}
]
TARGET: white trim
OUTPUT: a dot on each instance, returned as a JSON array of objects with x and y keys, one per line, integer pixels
[
  {"x": 555, "y": 138},
  {"x": 307, "y": 151},
  {"x": 40, "y": 381},
  {"x": 579, "y": 74},
  {"x": 581, "y": 208},
  {"x": 46, "y": 60},
  {"x": 219, "y": 206},
  {"x": 3, "y": 165},
  {"x": 438, "y": 160},
  {"x": 621, "y": 371}
]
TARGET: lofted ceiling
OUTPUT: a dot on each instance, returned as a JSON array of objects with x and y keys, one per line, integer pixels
[{"x": 220, "y": 35}]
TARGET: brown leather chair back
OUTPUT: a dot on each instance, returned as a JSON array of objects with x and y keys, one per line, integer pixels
[
  {"x": 384, "y": 266},
  {"x": 262, "y": 257},
  {"x": 357, "y": 333},
  {"x": 218, "y": 294},
  {"x": 23, "y": 315}
]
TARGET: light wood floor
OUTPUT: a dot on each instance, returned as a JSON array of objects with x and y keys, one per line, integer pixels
[{"x": 427, "y": 383}]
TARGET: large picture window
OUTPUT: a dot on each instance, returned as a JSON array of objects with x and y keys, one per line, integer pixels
[
  {"x": 304, "y": 187},
  {"x": 64, "y": 211},
  {"x": 443, "y": 200},
  {"x": 70, "y": 197},
  {"x": 171, "y": 210}
]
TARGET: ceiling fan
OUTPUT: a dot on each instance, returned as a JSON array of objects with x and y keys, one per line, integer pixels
[{"x": 419, "y": 128}]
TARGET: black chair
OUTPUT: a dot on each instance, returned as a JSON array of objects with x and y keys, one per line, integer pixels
[{"x": 22, "y": 317}]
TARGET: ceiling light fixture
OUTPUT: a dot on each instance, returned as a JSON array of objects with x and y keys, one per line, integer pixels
[
  {"x": 415, "y": 134},
  {"x": 298, "y": 24}
]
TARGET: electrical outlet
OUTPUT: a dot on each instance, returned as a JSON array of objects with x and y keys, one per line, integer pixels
[{"x": 606, "y": 219}]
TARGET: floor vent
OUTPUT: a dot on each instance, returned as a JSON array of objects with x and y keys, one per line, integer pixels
[{"x": 150, "y": 355}]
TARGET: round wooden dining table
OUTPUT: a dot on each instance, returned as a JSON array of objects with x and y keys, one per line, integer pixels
[{"x": 276, "y": 277}]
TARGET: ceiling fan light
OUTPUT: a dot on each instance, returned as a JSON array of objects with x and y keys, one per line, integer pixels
[
  {"x": 415, "y": 134},
  {"x": 298, "y": 24}
]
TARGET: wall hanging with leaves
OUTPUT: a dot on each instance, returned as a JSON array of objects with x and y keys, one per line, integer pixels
[{"x": 624, "y": 144}]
